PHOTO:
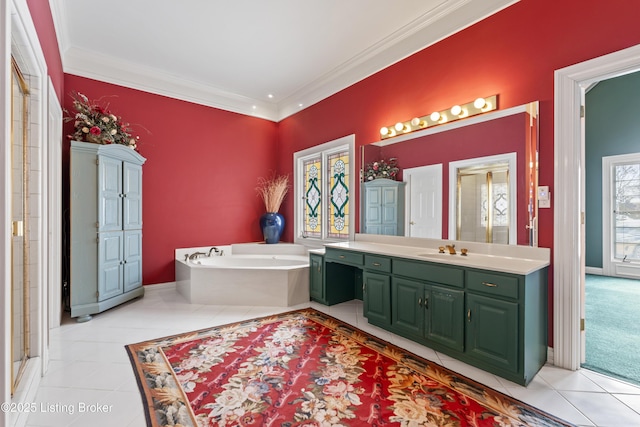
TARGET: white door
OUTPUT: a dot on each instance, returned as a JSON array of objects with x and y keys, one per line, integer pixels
[{"x": 424, "y": 201}]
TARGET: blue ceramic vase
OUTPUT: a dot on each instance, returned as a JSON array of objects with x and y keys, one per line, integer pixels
[{"x": 272, "y": 225}]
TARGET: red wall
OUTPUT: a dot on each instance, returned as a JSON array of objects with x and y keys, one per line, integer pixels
[
  {"x": 512, "y": 54},
  {"x": 200, "y": 175}
]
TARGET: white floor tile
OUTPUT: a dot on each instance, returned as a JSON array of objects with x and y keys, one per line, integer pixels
[{"x": 89, "y": 365}]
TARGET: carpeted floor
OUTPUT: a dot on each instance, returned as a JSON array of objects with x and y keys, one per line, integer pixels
[{"x": 613, "y": 327}]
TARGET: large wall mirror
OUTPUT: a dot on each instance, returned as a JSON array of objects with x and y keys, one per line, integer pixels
[{"x": 473, "y": 179}]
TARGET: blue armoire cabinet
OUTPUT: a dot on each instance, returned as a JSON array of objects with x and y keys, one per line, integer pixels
[
  {"x": 106, "y": 227},
  {"x": 383, "y": 207}
]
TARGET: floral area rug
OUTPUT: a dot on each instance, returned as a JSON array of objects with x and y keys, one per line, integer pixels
[{"x": 305, "y": 368}]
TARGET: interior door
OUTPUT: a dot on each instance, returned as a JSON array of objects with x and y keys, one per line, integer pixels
[{"x": 424, "y": 205}]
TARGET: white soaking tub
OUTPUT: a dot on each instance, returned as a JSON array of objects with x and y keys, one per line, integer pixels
[{"x": 246, "y": 274}]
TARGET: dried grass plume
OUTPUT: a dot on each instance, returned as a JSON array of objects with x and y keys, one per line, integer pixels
[{"x": 273, "y": 190}]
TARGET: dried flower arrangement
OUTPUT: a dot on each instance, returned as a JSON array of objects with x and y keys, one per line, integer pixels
[
  {"x": 382, "y": 169},
  {"x": 273, "y": 191},
  {"x": 95, "y": 123}
]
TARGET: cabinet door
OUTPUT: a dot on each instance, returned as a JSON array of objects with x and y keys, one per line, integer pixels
[
  {"x": 407, "y": 312},
  {"x": 109, "y": 194},
  {"x": 373, "y": 210},
  {"x": 445, "y": 316},
  {"x": 110, "y": 265},
  {"x": 132, "y": 196},
  {"x": 316, "y": 282},
  {"x": 377, "y": 298},
  {"x": 132, "y": 260},
  {"x": 492, "y": 334}
]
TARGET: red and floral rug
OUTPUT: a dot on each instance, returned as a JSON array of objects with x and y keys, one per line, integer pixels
[{"x": 305, "y": 368}]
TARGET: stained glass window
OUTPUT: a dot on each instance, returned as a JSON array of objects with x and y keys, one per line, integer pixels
[
  {"x": 323, "y": 179},
  {"x": 312, "y": 208},
  {"x": 338, "y": 175}
]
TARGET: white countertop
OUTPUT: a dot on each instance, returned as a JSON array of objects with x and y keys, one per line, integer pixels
[{"x": 521, "y": 260}]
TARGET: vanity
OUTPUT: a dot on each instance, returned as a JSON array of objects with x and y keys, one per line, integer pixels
[{"x": 487, "y": 308}]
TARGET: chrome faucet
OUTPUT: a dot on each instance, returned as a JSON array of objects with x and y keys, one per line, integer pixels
[
  {"x": 216, "y": 250},
  {"x": 452, "y": 249},
  {"x": 196, "y": 255}
]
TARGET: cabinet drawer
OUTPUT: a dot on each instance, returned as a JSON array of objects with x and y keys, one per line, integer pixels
[
  {"x": 430, "y": 272},
  {"x": 347, "y": 257},
  {"x": 377, "y": 263},
  {"x": 493, "y": 284}
]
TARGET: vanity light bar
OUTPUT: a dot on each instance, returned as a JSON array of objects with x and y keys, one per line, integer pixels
[{"x": 457, "y": 112}]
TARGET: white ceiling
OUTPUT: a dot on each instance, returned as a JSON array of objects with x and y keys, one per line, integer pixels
[{"x": 268, "y": 58}]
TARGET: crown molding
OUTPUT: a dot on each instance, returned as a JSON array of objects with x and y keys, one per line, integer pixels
[
  {"x": 114, "y": 70},
  {"x": 448, "y": 18},
  {"x": 439, "y": 23}
]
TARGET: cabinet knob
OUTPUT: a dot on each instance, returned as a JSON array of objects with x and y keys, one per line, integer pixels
[
  {"x": 426, "y": 303},
  {"x": 420, "y": 302},
  {"x": 376, "y": 264},
  {"x": 469, "y": 315},
  {"x": 491, "y": 285}
]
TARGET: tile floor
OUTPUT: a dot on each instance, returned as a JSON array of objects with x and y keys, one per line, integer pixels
[{"x": 89, "y": 366}]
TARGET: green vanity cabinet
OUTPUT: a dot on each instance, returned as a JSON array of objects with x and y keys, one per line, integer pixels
[
  {"x": 493, "y": 320},
  {"x": 376, "y": 290},
  {"x": 377, "y": 298},
  {"x": 428, "y": 313},
  {"x": 506, "y": 318},
  {"x": 492, "y": 333},
  {"x": 316, "y": 277},
  {"x": 341, "y": 276}
]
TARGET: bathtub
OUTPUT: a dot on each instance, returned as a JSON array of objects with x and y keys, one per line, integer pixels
[{"x": 247, "y": 274}]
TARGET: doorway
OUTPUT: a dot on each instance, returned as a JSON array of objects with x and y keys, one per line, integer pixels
[{"x": 569, "y": 204}]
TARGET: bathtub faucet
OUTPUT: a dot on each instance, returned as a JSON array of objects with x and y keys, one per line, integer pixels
[
  {"x": 218, "y": 252},
  {"x": 196, "y": 255}
]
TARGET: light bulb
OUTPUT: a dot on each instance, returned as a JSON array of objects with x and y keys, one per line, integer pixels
[
  {"x": 384, "y": 131},
  {"x": 435, "y": 116},
  {"x": 456, "y": 110},
  {"x": 415, "y": 121},
  {"x": 479, "y": 103},
  {"x": 399, "y": 126}
]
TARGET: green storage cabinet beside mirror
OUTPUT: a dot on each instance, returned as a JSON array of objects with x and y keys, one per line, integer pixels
[{"x": 383, "y": 207}]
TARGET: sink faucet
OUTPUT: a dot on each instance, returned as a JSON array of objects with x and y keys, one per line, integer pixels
[{"x": 452, "y": 249}]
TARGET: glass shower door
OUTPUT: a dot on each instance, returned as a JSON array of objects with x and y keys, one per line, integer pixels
[
  {"x": 483, "y": 204},
  {"x": 19, "y": 241}
]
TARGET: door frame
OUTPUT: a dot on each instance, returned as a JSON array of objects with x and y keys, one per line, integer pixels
[{"x": 570, "y": 84}]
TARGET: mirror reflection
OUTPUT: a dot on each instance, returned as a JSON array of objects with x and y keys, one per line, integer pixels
[{"x": 472, "y": 180}]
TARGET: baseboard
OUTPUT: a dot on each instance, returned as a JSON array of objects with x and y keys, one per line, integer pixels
[
  {"x": 594, "y": 270},
  {"x": 160, "y": 286}
]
